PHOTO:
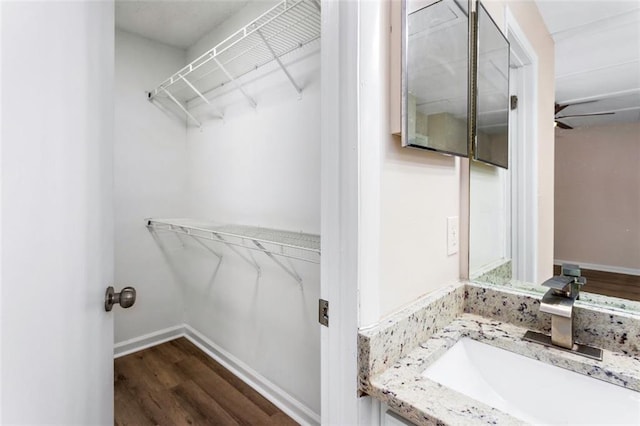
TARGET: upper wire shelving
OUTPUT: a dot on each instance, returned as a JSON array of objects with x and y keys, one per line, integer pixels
[
  {"x": 272, "y": 242},
  {"x": 288, "y": 26}
]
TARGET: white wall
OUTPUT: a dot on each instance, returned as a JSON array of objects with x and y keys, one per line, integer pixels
[
  {"x": 487, "y": 217},
  {"x": 57, "y": 223},
  {"x": 150, "y": 161},
  {"x": 406, "y": 195},
  {"x": 417, "y": 191},
  {"x": 598, "y": 196}
]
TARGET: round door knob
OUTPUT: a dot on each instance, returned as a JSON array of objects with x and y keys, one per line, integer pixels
[{"x": 126, "y": 298}]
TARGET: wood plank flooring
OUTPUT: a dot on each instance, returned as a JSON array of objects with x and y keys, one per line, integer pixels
[
  {"x": 175, "y": 383},
  {"x": 609, "y": 283}
]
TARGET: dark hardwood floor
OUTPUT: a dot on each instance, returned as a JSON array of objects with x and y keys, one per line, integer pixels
[
  {"x": 175, "y": 383},
  {"x": 609, "y": 283}
]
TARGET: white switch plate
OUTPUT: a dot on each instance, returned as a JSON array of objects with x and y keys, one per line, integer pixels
[{"x": 452, "y": 235}]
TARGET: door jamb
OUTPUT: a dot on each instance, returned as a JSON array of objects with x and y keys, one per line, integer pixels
[
  {"x": 525, "y": 184},
  {"x": 339, "y": 210}
]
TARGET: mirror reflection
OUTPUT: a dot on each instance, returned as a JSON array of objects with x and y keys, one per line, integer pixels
[
  {"x": 492, "y": 104},
  {"x": 489, "y": 224},
  {"x": 436, "y": 76},
  {"x": 597, "y": 143},
  {"x": 489, "y": 236},
  {"x": 597, "y": 151}
]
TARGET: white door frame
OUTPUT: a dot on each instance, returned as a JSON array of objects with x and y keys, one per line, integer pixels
[
  {"x": 524, "y": 185},
  {"x": 339, "y": 205},
  {"x": 1, "y": 186}
]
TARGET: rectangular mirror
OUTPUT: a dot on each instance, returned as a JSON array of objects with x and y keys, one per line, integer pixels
[
  {"x": 596, "y": 142},
  {"x": 490, "y": 186},
  {"x": 435, "y": 76},
  {"x": 491, "y": 141}
]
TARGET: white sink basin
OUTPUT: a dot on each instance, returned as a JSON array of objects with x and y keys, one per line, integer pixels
[{"x": 531, "y": 390}]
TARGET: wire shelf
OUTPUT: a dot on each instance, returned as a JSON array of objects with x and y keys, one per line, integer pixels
[
  {"x": 286, "y": 27},
  {"x": 293, "y": 245}
]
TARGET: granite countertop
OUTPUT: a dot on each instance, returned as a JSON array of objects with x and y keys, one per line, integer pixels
[
  {"x": 394, "y": 354},
  {"x": 422, "y": 400},
  {"x": 586, "y": 298}
]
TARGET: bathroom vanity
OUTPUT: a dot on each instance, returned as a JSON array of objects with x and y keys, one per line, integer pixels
[{"x": 415, "y": 360}]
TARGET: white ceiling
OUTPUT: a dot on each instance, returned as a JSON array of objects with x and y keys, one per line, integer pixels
[
  {"x": 597, "y": 58},
  {"x": 178, "y": 23}
]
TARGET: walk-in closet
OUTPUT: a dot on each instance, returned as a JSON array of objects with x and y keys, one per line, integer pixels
[{"x": 217, "y": 196}]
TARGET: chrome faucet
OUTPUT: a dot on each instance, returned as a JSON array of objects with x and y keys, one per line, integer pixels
[
  {"x": 558, "y": 301},
  {"x": 564, "y": 290}
]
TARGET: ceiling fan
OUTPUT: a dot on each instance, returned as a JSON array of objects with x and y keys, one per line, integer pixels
[{"x": 559, "y": 108}]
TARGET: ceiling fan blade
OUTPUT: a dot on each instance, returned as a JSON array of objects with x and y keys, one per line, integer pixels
[
  {"x": 588, "y": 115},
  {"x": 559, "y": 107},
  {"x": 563, "y": 126}
]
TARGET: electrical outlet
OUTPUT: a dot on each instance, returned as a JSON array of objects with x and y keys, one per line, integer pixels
[{"x": 452, "y": 235}]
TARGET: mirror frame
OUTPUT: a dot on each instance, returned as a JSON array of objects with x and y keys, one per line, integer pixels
[{"x": 473, "y": 140}]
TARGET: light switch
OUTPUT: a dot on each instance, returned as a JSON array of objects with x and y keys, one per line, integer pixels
[{"x": 452, "y": 235}]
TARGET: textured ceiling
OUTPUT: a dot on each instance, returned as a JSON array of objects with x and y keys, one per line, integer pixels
[
  {"x": 178, "y": 23},
  {"x": 597, "y": 58}
]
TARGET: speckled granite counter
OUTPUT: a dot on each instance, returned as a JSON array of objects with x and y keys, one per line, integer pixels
[
  {"x": 498, "y": 273},
  {"x": 586, "y": 298},
  {"x": 394, "y": 354}
]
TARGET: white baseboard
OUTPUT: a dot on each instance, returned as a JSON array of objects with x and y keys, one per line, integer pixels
[
  {"x": 597, "y": 267},
  {"x": 148, "y": 340},
  {"x": 281, "y": 399}
]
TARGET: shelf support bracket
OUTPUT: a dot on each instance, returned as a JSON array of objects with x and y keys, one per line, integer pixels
[
  {"x": 236, "y": 251},
  {"x": 220, "y": 115},
  {"x": 235, "y": 82},
  {"x": 289, "y": 271},
  {"x": 212, "y": 251},
  {"x": 277, "y": 59},
  {"x": 194, "y": 88},
  {"x": 181, "y": 106},
  {"x": 206, "y": 247}
]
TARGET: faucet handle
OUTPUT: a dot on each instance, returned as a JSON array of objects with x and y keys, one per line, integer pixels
[
  {"x": 570, "y": 270},
  {"x": 559, "y": 283}
]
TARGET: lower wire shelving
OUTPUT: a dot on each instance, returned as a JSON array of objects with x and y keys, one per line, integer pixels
[{"x": 278, "y": 245}]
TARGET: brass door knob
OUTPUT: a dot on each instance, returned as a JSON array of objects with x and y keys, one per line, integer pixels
[{"x": 126, "y": 298}]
